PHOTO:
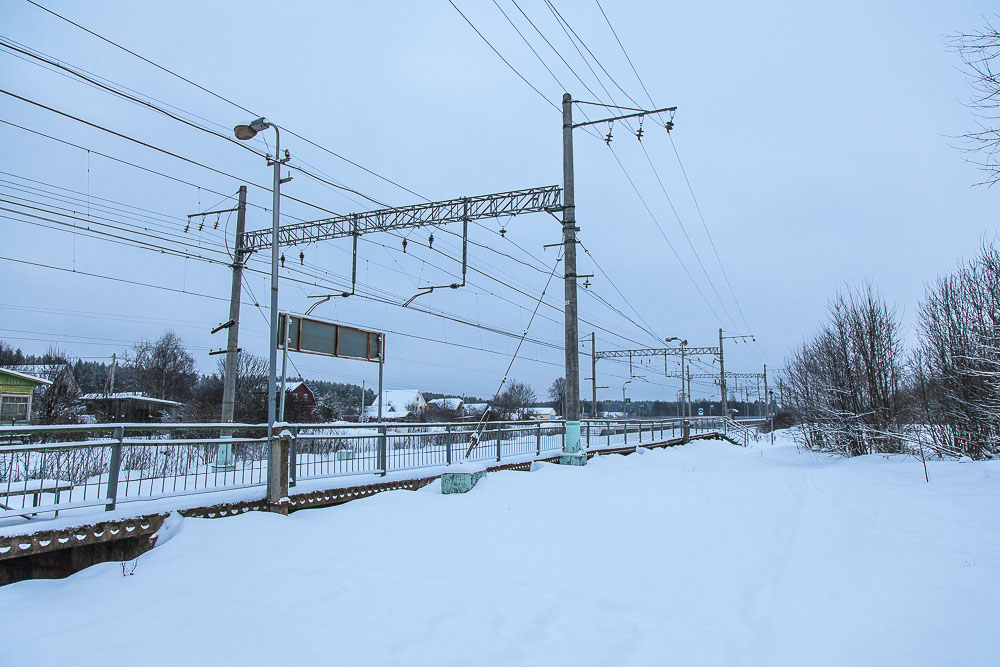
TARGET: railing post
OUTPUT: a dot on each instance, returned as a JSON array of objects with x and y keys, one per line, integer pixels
[
  {"x": 277, "y": 470},
  {"x": 447, "y": 456},
  {"x": 499, "y": 434},
  {"x": 114, "y": 467},
  {"x": 588, "y": 435},
  {"x": 292, "y": 455},
  {"x": 382, "y": 457},
  {"x": 625, "y": 422},
  {"x": 538, "y": 439},
  {"x": 607, "y": 432}
]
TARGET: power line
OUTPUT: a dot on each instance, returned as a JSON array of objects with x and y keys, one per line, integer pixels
[{"x": 512, "y": 68}]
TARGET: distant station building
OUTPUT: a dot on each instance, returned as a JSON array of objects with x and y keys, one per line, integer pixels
[{"x": 16, "y": 389}]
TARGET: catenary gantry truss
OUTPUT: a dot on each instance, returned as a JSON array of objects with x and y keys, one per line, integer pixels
[
  {"x": 655, "y": 352},
  {"x": 499, "y": 205}
]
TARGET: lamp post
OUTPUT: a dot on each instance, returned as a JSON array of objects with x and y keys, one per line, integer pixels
[
  {"x": 685, "y": 398},
  {"x": 245, "y": 133},
  {"x": 624, "y": 411}
]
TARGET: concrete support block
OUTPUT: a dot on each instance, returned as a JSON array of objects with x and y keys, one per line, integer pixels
[
  {"x": 571, "y": 444},
  {"x": 461, "y": 478},
  {"x": 575, "y": 459}
]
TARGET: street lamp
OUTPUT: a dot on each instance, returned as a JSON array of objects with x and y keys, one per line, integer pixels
[
  {"x": 685, "y": 398},
  {"x": 624, "y": 412},
  {"x": 245, "y": 133}
]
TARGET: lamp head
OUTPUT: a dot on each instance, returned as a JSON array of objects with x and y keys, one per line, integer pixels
[{"x": 250, "y": 130}]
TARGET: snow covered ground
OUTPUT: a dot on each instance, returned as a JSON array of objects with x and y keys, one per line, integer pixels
[{"x": 707, "y": 554}]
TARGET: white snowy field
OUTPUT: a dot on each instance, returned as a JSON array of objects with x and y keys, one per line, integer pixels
[{"x": 707, "y": 554}]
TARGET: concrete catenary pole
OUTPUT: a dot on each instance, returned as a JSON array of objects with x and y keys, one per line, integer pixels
[
  {"x": 572, "y": 441},
  {"x": 233, "y": 334},
  {"x": 224, "y": 454},
  {"x": 684, "y": 394},
  {"x": 767, "y": 401},
  {"x": 722, "y": 376},
  {"x": 689, "y": 392},
  {"x": 593, "y": 376}
]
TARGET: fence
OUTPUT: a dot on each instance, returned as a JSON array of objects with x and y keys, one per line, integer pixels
[{"x": 45, "y": 470}]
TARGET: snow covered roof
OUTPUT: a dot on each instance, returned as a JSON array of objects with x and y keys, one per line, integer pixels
[
  {"x": 447, "y": 403},
  {"x": 44, "y": 371},
  {"x": 541, "y": 410},
  {"x": 292, "y": 385},
  {"x": 396, "y": 403},
  {"x": 128, "y": 395},
  {"x": 24, "y": 376},
  {"x": 476, "y": 408}
]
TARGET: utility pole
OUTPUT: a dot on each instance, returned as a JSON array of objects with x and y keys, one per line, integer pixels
[
  {"x": 233, "y": 334},
  {"x": 689, "y": 393},
  {"x": 572, "y": 441},
  {"x": 722, "y": 376},
  {"x": 593, "y": 376},
  {"x": 767, "y": 401},
  {"x": 684, "y": 410}
]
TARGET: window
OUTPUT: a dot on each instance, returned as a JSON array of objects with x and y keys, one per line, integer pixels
[{"x": 13, "y": 409}]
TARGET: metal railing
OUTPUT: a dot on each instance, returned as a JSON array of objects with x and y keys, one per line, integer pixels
[
  {"x": 45, "y": 470},
  {"x": 745, "y": 430}
]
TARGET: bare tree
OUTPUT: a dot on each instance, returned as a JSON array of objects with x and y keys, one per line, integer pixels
[
  {"x": 980, "y": 54},
  {"x": 845, "y": 383},
  {"x": 557, "y": 394},
  {"x": 958, "y": 363},
  {"x": 164, "y": 368},
  {"x": 514, "y": 400}
]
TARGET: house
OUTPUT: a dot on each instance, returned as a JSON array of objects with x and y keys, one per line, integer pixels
[
  {"x": 475, "y": 409},
  {"x": 132, "y": 407},
  {"x": 16, "y": 389},
  {"x": 397, "y": 405},
  {"x": 298, "y": 390},
  {"x": 58, "y": 374},
  {"x": 541, "y": 413},
  {"x": 450, "y": 407}
]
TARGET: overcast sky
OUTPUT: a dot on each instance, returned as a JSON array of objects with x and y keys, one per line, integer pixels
[{"x": 815, "y": 137}]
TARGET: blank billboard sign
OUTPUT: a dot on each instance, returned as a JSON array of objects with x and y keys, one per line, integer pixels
[{"x": 330, "y": 339}]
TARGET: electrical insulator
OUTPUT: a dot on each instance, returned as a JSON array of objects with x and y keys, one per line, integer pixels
[
  {"x": 430, "y": 241},
  {"x": 302, "y": 258},
  {"x": 503, "y": 232},
  {"x": 282, "y": 260},
  {"x": 669, "y": 126},
  {"x": 404, "y": 246}
]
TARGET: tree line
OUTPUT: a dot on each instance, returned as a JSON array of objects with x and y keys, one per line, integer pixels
[{"x": 856, "y": 386}]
